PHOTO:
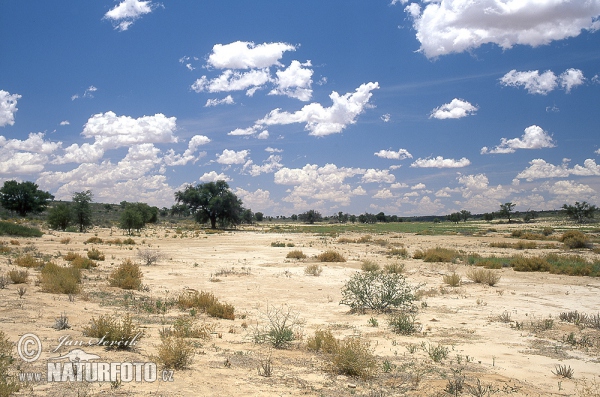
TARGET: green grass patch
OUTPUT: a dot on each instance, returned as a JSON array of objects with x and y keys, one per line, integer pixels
[{"x": 12, "y": 229}]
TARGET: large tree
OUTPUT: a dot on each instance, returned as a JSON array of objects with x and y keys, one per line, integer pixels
[
  {"x": 580, "y": 212},
  {"x": 59, "y": 216},
  {"x": 136, "y": 215},
  {"x": 82, "y": 210},
  {"x": 506, "y": 210},
  {"x": 24, "y": 197},
  {"x": 212, "y": 201}
]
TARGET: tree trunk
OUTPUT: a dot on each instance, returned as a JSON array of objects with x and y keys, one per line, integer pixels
[{"x": 213, "y": 222}]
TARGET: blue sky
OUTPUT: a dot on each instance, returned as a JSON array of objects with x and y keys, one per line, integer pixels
[{"x": 407, "y": 107}]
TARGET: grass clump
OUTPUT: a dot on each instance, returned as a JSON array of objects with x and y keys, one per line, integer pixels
[
  {"x": 281, "y": 326},
  {"x": 574, "y": 239},
  {"x": 93, "y": 240},
  {"x": 8, "y": 384},
  {"x": 18, "y": 276},
  {"x": 377, "y": 291},
  {"x": 96, "y": 254},
  {"x": 12, "y": 229},
  {"x": 60, "y": 280},
  {"x": 364, "y": 239},
  {"x": 483, "y": 276},
  {"x": 439, "y": 254},
  {"x": 127, "y": 276},
  {"x": 29, "y": 261},
  {"x": 78, "y": 261},
  {"x": 354, "y": 357},
  {"x": 322, "y": 341},
  {"x": 313, "y": 270},
  {"x": 394, "y": 268},
  {"x": 295, "y": 254},
  {"x": 522, "y": 263},
  {"x": 175, "y": 352},
  {"x": 277, "y": 244},
  {"x": 369, "y": 266},
  {"x": 403, "y": 323},
  {"x": 331, "y": 256},
  {"x": 453, "y": 280},
  {"x": 207, "y": 303},
  {"x": 398, "y": 252},
  {"x": 117, "y": 332},
  {"x": 185, "y": 327}
]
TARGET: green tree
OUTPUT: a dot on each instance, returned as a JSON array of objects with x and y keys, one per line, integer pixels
[
  {"x": 506, "y": 210},
  {"x": 310, "y": 216},
  {"x": 464, "y": 215},
  {"x": 247, "y": 216},
  {"x": 580, "y": 212},
  {"x": 131, "y": 218},
  {"x": 82, "y": 210},
  {"x": 258, "y": 216},
  {"x": 454, "y": 217},
  {"x": 212, "y": 201},
  {"x": 24, "y": 197},
  {"x": 59, "y": 217}
]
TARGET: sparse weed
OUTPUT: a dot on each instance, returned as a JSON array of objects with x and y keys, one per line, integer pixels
[
  {"x": 402, "y": 252},
  {"x": 60, "y": 280},
  {"x": 404, "y": 323},
  {"x": 354, "y": 357},
  {"x": 453, "y": 280},
  {"x": 207, "y": 303},
  {"x": 436, "y": 353},
  {"x": 280, "y": 327},
  {"x": 127, "y": 276},
  {"x": 93, "y": 240},
  {"x": 483, "y": 276},
  {"x": 149, "y": 256},
  {"x": 175, "y": 353},
  {"x": 18, "y": 276},
  {"x": 564, "y": 371},
  {"x": 295, "y": 254},
  {"x": 29, "y": 261},
  {"x": 61, "y": 323},
  {"x": 369, "y": 266},
  {"x": 119, "y": 332},
  {"x": 331, "y": 256},
  {"x": 395, "y": 268},
  {"x": 313, "y": 270}
]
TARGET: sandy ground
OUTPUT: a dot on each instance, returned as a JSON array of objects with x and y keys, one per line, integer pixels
[{"x": 513, "y": 361}]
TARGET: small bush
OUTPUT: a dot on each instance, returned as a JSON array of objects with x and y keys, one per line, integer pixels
[
  {"x": 8, "y": 383},
  {"x": 323, "y": 341},
  {"x": 354, "y": 357},
  {"x": 345, "y": 240},
  {"x": 280, "y": 327},
  {"x": 313, "y": 270},
  {"x": 418, "y": 254},
  {"x": 185, "y": 327},
  {"x": 207, "y": 303},
  {"x": 365, "y": 239},
  {"x": 529, "y": 264},
  {"x": 28, "y": 260},
  {"x": 93, "y": 240},
  {"x": 83, "y": 263},
  {"x": 119, "y": 333},
  {"x": 221, "y": 310},
  {"x": 12, "y": 229},
  {"x": 95, "y": 254},
  {"x": 370, "y": 266},
  {"x": 149, "y": 257},
  {"x": 547, "y": 231},
  {"x": 127, "y": 276},
  {"x": 65, "y": 240},
  {"x": 18, "y": 276},
  {"x": 129, "y": 241},
  {"x": 483, "y": 276},
  {"x": 15, "y": 242},
  {"x": 377, "y": 291},
  {"x": 331, "y": 256},
  {"x": 395, "y": 268},
  {"x": 175, "y": 353},
  {"x": 574, "y": 239},
  {"x": 277, "y": 244},
  {"x": 60, "y": 280},
  {"x": 404, "y": 324},
  {"x": 439, "y": 254},
  {"x": 437, "y": 353},
  {"x": 453, "y": 280},
  {"x": 398, "y": 252},
  {"x": 295, "y": 254}
]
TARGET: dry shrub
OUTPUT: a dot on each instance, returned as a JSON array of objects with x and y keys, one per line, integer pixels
[
  {"x": 207, "y": 303},
  {"x": 354, "y": 357},
  {"x": 418, "y": 254},
  {"x": 15, "y": 242},
  {"x": 296, "y": 254},
  {"x": 313, "y": 270},
  {"x": 185, "y": 327},
  {"x": 398, "y": 252},
  {"x": 439, "y": 254},
  {"x": 483, "y": 276},
  {"x": 345, "y": 240},
  {"x": 8, "y": 382},
  {"x": 221, "y": 310},
  {"x": 60, "y": 280},
  {"x": 65, "y": 240},
  {"x": 380, "y": 242},
  {"x": 96, "y": 254},
  {"x": 149, "y": 257},
  {"x": 28, "y": 260},
  {"x": 521, "y": 263},
  {"x": 453, "y": 280},
  {"x": 574, "y": 239},
  {"x": 369, "y": 266},
  {"x": 323, "y": 341},
  {"x": 331, "y": 256},
  {"x": 18, "y": 276},
  {"x": 364, "y": 239},
  {"x": 127, "y": 276},
  {"x": 71, "y": 255},
  {"x": 129, "y": 241},
  {"x": 118, "y": 332},
  {"x": 394, "y": 268},
  {"x": 83, "y": 263},
  {"x": 175, "y": 353},
  {"x": 93, "y": 240}
]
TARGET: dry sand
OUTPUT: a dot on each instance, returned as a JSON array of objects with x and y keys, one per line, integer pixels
[{"x": 515, "y": 362}]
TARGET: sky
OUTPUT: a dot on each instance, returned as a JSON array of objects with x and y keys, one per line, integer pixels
[{"x": 407, "y": 107}]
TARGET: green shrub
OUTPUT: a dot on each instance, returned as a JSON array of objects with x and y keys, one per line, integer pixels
[
  {"x": 453, "y": 280},
  {"x": 118, "y": 331},
  {"x": 377, "y": 291},
  {"x": 12, "y": 229},
  {"x": 18, "y": 276},
  {"x": 574, "y": 239},
  {"x": 8, "y": 383},
  {"x": 127, "y": 276},
  {"x": 277, "y": 244},
  {"x": 95, "y": 254},
  {"x": 175, "y": 353},
  {"x": 313, "y": 270},
  {"x": 331, "y": 256},
  {"x": 529, "y": 264},
  {"x": 403, "y": 323},
  {"x": 60, "y": 280},
  {"x": 370, "y": 266},
  {"x": 483, "y": 276},
  {"x": 296, "y": 254},
  {"x": 439, "y": 254}
]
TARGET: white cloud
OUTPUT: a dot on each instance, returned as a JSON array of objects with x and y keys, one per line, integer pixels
[
  {"x": 378, "y": 176},
  {"x": 85, "y": 153},
  {"x": 480, "y": 197},
  {"x": 8, "y": 107},
  {"x": 454, "y": 26},
  {"x": 597, "y": 151},
  {"x": 383, "y": 194},
  {"x": 386, "y": 118},
  {"x": 65, "y": 122},
  {"x": 322, "y": 121},
  {"x": 172, "y": 159},
  {"x": 229, "y": 157},
  {"x": 259, "y": 200},
  {"x": 533, "y": 138},
  {"x": 212, "y": 176},
  {"x": 418, "y": 186},
  {"x": 273, "y": 150},
  {"x": 126, "y": 12},
  {"x": 542, "y": 84},
  {"x": 571, "y": 78},
  {"x": 263, "y": 135},
  {"x": 35, "y": 143},
  {"x": 111, "y": 131},
  {"x": 247, "y": 55},
  {"x": 295, "y": 81},
  {"x": 20, "y": 163},
  {"x": 440, "y": 162},
  {"x": 540, "y": 169},
  {"x": 456, "y": 109},
  {"x": 477, "y": 182},
  {"x": 228, "y": 100},
  {"x": 231, "y": 80},
  {"x": 401, "y": 154},
  {"x": 272, "y": 164},
  {"x": 398, "y": 185}
]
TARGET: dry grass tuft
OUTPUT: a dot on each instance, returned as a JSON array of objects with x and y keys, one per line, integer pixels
[{"x": 331, "y": 256}]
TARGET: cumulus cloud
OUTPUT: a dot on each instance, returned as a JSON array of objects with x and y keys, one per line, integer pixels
[
  {"x": 540, "y": 169},
  {"x": 270, "y": 165},
  {"x": 567, "y": 191},
  {"x": 65, "y": 122},
  {"x": 418, "y": 186},
  {"x": 35, "y": 143},
  {"x": 386, "y": 118},
  {"x": 456, "y": 109},
  {"x": 231, "y": 80},
  {"x": 172, "y": 159},
  {"x": 401, "y": 154},
  {"x": 85, "y": 153},
  {"x": 440, "y": 162},
  {"x": 228, "y": 100},
  {"x": 378, "y": 176},
  {"x": 295, "y": 81},
  {"x": 533, "y": 138},
  {"x": 398, "y": 185},
  {"x": 126, "y": 12},
  {"x": 542, "y": 84},
  {"x": 229, "y": 157},
  {"x": 273, "y": 150},
  {"x": 322, "y": 121},
  {"x": 8, "y": 107},
  {"x": 212, "y": 176},
  {"x": 259, "y": 200},
  {"x": 383, "y": 194},
  {"x": 22, "y": 157},
  {"x": 454, "y": 26},
  {"x": 479, "y": 195},
  {"x": 247, "y": 55}
]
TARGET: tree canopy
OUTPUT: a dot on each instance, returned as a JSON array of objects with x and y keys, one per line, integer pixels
[
  {"x": 136, "y": 215},
  {"x": 212, "y": 201},
  {"x": 24, "y": 197},
  {"x": 59, "y": 216},
  {"x": 506, "y": 210},
  {"x": 580, "y": 212},
  {"x": 82, "y": 210}
]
